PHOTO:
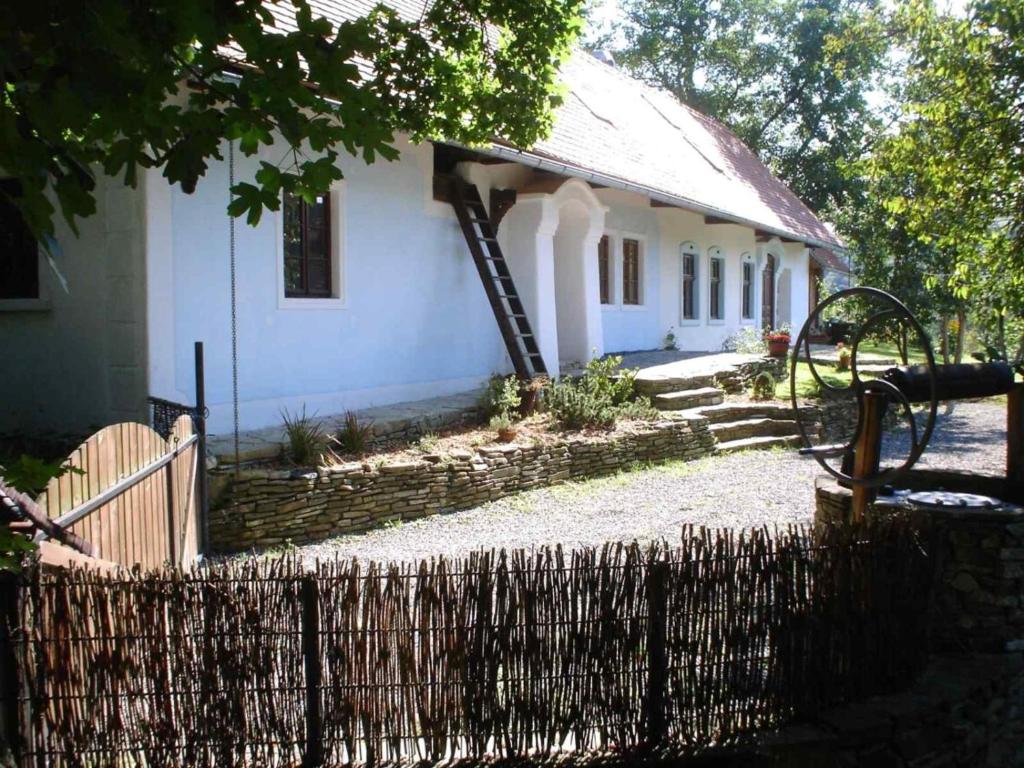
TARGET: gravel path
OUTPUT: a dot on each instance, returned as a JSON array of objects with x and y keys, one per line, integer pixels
[{"x": 740, "y": 490}]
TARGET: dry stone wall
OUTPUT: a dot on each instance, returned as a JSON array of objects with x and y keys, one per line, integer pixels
[
  {"x": 739, "y": 378},
  {"x": 965, "y": 712},
  {"x": 259, "y": 508},
  {"x": 979, "y": 600}
]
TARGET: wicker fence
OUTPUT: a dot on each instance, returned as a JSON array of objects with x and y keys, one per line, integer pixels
[{"x": 492, "y": 656}]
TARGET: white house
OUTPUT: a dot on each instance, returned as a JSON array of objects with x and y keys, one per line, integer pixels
[{"x": 637, "y": 215}]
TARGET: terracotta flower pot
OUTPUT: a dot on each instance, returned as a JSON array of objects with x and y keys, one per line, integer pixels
[
  {"x": 506, "y": 434},
  {"x": 778, "y": 347}
]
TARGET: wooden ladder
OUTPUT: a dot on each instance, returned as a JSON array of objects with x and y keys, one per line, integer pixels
[{"x": 482, "y": 240}]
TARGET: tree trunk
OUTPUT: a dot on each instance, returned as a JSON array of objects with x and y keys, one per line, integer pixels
[
  {"x": 961, "y": 332},
  {"x": 903, "y": 344},
  {"x": 945, "y": 339}
]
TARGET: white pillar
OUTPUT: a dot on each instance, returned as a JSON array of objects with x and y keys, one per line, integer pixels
[{"x": 526, "y": 236}]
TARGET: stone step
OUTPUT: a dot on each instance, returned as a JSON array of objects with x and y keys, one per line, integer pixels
[
  {"x": 727, "y": 431},
  {"x": 758, "y": 443},
  {"x": 655, "y": 383},
  {"x": 716, "y": 414},
  {"x": 688, "y": 398}
]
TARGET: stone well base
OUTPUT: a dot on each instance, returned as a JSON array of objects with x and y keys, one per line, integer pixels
[{"x": 979, "y": 599}]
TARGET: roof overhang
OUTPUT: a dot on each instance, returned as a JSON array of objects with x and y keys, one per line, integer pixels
[{"x": 542, "y": 162}]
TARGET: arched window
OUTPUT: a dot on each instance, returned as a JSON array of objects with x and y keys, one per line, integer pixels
[{"x": 688, "y": 282}]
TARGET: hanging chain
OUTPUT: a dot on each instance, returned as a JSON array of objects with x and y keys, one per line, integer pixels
[{"x": 234, "y": 302}]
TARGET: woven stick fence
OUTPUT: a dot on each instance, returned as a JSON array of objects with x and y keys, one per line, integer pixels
[{"x": 495, "y": 655}]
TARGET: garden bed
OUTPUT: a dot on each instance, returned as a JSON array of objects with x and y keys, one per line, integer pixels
[{"x": 271, "y": 507}]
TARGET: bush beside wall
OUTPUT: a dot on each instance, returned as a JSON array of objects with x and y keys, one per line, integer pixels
[{"x": 261, "y": 508}]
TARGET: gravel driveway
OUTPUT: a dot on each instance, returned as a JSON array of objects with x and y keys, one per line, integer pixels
[{"x": 740, "y": 490}]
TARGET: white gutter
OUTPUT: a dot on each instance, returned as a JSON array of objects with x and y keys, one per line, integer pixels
[{"x": 564, "y": 169}]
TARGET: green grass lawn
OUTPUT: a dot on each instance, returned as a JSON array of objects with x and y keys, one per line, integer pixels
[
  {"x": 806, "y": 386},
  {"x": 888, "y": 349}
]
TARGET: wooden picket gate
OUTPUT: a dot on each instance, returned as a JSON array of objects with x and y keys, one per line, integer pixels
[{"x": 132, "y": 495}]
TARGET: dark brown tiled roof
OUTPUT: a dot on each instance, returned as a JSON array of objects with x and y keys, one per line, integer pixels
[{"x": 830, "y": 260}]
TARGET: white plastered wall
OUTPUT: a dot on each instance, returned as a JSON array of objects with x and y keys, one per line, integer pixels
[
  {"x": 76, "y": 358},
  {"x": 732, "y": 241}
]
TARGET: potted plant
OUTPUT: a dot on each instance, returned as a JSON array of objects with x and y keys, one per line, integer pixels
[
  {"x": 778, "y": 342},
  {"x": 842, "y": 357},
  {"x": 505, "y": 427}
]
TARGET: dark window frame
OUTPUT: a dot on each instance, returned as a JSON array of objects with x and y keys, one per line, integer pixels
[
  {"x": 747, "y": 308},
  {"x": 632, "y": 289},
  {"x": 716, "y": 282},
  {"x": 604, "y": 270},
  {"x": 689, "y": 285},
  {"x": 325, "y": 288},
  {"x": 19, "y": 250}
]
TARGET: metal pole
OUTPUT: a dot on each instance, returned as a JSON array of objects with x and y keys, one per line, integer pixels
[{"x": 201, "y": 488}]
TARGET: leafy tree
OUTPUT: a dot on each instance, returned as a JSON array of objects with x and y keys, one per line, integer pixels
[
  {"x": 950, "y": 178},
  {"x": 791, "y": 78},
  {"x": 111, "y": 86}
]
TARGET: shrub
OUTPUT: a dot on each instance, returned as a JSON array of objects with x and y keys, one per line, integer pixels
[
  {"x": 306, "y": 438},
  {"x": 746, "y": 341},
  {"x": 669, "y": 342},
  {"x": 603, "y": 394},
  {"x": 763, "y": 387},
  {"x": 843, "y": 356},
  {"x": 428, "y": 442},
  {"x": 354, "y": 438},
  {"x": 501, "y": 397},
  {"x": 574, "y": 406}
]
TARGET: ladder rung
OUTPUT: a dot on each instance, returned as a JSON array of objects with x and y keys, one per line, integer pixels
[{"x": 487, "y": 239}]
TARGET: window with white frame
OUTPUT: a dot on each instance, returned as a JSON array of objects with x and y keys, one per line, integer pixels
[
  {"x": 604, "y": 270},
  {"x": 716, "y": 284},
  {"x": 747, "y": 299},
  {"x": 688, "y": 282},
  {"x": 632, "y": 272}
]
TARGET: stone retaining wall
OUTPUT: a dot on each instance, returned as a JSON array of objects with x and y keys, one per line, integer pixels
[
  {"x": 979, "y": 600},
  {"x": 266, "y": 508},
  {"x": 965, "y": 712},
  {"x": 739, "y": 378}
]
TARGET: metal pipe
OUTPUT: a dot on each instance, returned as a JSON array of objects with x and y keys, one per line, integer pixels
[{"x": 202, "y": 491}]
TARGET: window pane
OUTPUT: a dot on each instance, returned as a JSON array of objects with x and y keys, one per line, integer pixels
[
  {"x": 293, "y": 277},
  {"x": 317, "y": 244},
  {"x": 748, "y": 307},
  {"x": 630, "y": 271},
  {"x": 19, "y": 252},
  {"x": 603, "y": 271},
  {"x": 318, "y": 213},
  {"x": 319, "y": 278},
  {"x": 715, "y": 285}
]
